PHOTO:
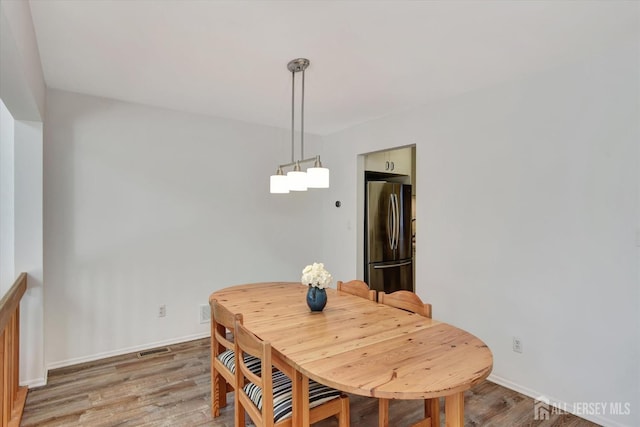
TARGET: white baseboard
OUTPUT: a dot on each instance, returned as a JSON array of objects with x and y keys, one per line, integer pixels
[
  {"x": 36, "y": 382},
  {"x": 598, "y": 419},
  {"x": 121, "y": 351}
]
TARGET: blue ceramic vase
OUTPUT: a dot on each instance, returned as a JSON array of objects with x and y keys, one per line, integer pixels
[{"x": 316, "y": 298}]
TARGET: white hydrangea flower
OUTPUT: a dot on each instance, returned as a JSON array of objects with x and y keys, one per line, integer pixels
[{"x": 316, "y": 275}]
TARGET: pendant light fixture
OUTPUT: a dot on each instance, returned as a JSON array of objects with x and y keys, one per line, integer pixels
[{"x": 296, "y": 179}]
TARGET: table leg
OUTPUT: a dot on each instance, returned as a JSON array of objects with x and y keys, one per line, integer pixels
[
  {"x": 383, "y": 412},
  {"x": 432, "y": 410},
  {"x": 454, "y": 410},
  {"x": 431, "y": 407}
]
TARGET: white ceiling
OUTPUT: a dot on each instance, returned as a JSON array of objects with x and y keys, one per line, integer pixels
[{"x": 368, "y": 58}]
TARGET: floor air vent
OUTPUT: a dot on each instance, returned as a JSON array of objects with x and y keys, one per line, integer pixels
[{"x": 153, "y": 352}]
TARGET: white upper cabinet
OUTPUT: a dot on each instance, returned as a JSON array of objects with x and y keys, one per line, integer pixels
[{"x": 391, "y": 161}]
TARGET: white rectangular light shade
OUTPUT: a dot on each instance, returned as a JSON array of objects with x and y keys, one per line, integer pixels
[
  {"x": 297, "y": 180},
  {"x": 318, "y": 178},
  {"x": 279, "y": 184}
]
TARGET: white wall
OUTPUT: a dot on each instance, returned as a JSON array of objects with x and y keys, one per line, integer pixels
[
  {"x": 22, "y": 86},
  {"x": 145, "y": 206},
  {"x": 7, "y": 256},
  {"x": 28, "y": 247},
  {"x": 527, "y": 210}
]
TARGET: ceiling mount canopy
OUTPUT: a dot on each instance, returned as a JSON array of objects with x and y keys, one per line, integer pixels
[
  {"x": 296, "y": 179},
  {"x": 298, "y": 64}
]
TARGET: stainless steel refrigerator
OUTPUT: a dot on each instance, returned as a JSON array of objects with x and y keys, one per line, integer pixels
[{"x": 388, "y": 250}]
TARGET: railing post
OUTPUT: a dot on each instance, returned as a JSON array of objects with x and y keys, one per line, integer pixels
[
  {"x": 4, "y": 410},
  {"x": 15, "y": 371},
  {"x": 12, "y": 396}
]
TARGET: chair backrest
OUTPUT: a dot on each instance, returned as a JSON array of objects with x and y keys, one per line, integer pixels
[
  {"x": 222, "y": 324},
  {"x": 247, "y": 343},
  {"x": 405, "y": 300},
  {"x": 223, "y": 379},
  {"x": 357, "y": 288},
  {"x": 274, "y": 391}
]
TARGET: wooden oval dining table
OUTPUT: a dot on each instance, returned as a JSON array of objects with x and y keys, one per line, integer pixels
[{"x": 359, "y": 346}]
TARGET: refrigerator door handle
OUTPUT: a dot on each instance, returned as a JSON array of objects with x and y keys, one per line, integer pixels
[
  {"x": 401, "y": 264},
  {"x": 392, "y": 201},
  {"x": 390, "y": 219},
  {"x": 394, "y": 216},
  {"x": 397, "y": 230}
]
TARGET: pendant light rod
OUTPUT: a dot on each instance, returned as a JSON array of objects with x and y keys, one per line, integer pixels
[
  {"x": 295, "y": 66},
  {"x": 293, "y": 98},
  {"x": 302, "y": 119}
]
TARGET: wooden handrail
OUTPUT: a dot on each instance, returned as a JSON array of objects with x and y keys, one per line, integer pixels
[
  {"x": 12, "y": 396},
  {"x": 11, "y": 299}
]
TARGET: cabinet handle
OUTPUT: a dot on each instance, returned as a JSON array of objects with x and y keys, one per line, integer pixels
[
  {"x": 392, "y": 166},
  {"x": 386, "y": 166}
]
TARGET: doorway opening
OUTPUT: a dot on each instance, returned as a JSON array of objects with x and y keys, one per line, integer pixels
[{"x": 387, "y": 218}]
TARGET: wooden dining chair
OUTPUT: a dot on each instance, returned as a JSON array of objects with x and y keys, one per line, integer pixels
[
  {"x": 409, "y": 301},
  {"x": 223, "y": 377},
  {"x": 405, "y": 300},
  {"x": 268, "y": 395},
  {"x": 357, "y": 288}
]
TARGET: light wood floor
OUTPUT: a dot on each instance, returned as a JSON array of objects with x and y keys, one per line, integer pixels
[{"x": 173, "y": 389}]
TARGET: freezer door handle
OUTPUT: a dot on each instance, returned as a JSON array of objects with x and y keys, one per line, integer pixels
[{"x": 401, "y": 264}]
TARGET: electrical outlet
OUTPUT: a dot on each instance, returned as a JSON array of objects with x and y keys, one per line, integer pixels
[
  {"x": 205, "y": 313},
  {"x": 162, "y": 311},
  {"x": 517, "y": 345}
]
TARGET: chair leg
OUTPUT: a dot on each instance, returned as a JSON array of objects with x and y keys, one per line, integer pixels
[
  {"x": 432, "y": 410},
  {"x": 383, "y": 412},
  {"x": 238, "y": 412},
  {"x": 215, "y": 394},
  {"x": 215, "y": 410},
  {"x": 223, "y": 389}
]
